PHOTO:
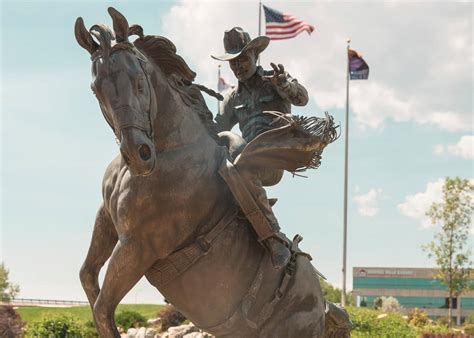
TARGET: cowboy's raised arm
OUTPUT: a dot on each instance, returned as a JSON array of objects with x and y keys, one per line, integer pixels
[{"x": 288, "y": 87}]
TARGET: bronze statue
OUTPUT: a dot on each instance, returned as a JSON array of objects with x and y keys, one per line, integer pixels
[
  {"x": 245, "y": 105},
  {"x": 169, "y": 212}
]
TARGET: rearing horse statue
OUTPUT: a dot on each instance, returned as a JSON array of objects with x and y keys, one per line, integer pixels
[{"x": 168, "y": 213}]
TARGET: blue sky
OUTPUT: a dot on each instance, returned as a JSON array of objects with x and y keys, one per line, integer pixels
[{"x": 411, "y": 125}]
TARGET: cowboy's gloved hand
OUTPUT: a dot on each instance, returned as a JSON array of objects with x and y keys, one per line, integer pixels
[{"x": 279, "y": 77}]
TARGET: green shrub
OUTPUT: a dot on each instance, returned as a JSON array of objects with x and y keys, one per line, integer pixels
[
  {"x": 11, "y": 324},
  {"x": 394, "y": 325},
  {"x": 89, "y": 329},
  {"x": 469, "y": 329},
  {"x": 170, "y": 317},
  {"x": 333, "y": 294},
  {"x": 431, "y": 328},
  {"x": 418, "y": 318},
  {"x": 127, "y": 319},
  {"x": 363, "y": 319},
  {"x": 371, "y": 323},
  {"x": 61, "y": 326},
  {"x": 443, "y": 321},
  {"x": 470, "y": 319}
]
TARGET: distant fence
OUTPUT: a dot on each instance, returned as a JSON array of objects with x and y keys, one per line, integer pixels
[{"x": 42, "y": 302}]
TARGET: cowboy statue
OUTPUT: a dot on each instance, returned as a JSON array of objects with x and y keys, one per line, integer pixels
[{"x": 258, "y": 92}]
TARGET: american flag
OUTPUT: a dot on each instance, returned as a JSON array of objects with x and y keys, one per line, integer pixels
[{"x": 281, "y": 26}]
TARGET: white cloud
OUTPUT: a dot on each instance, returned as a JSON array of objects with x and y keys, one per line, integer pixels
[
  {"x": 408, "y": 70},
  {"x": 416, "y": 206},
  {"x": 367, "y": 203},
  {"x": 464, "y": 148}
]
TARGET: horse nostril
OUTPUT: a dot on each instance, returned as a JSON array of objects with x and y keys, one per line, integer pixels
[{"x": 145, "y": 152}]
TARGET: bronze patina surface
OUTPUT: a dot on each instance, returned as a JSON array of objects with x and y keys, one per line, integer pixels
[{"x": 172, "y": 210}]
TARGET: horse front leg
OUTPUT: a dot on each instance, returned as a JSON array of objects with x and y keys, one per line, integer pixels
[
  {"x": 130, "y": 260},
  {"x": 104, "y": 238}
]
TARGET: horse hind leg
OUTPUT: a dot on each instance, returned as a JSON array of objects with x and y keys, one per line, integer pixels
[
  {"x": 129, "y": 262},
  {"x": 338, "y": 324},
  {"x": 104, "y": 238}
]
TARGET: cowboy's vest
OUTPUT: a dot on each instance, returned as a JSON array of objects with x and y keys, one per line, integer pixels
[{"x": 245, "y": 103}]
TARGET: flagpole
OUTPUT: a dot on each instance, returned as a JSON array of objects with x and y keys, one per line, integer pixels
[
  {"x": 259, "y": 18},
  {"x": 218, "y": 80},
  {"x": 259, "y": 25},
  {"x": 346, "y": 166}
]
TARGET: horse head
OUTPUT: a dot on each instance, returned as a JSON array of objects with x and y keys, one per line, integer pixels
[{"x": 121, "y": 82}]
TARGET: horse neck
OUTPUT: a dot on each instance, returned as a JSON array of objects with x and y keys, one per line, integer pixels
[{"x": 175, "y": 124}]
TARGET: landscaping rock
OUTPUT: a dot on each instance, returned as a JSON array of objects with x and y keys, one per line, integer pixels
[
  {"x": 179, "y": 331},
  {"x": 154, "y": 322},
  {"x": 185, "y": 331},
  {"x": 199, "y": 334},
  {"x": 151, "y": 332},
  {"x": 182, "y": 331},
  {"x": 131, "y": 333},
  {"x": 141, "y": 333}
]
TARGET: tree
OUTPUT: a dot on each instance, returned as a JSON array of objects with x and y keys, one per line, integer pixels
[
  {"x": 378, "y": 303},
  {"x": 8, "y": 290},
  {"x": 332, "y": 294},
  {"x": 390, "y": 304},
  {"x": 11, "y": 325},
  {"x": 450, "y": 246},
  {"x": 386, "y": 304}
]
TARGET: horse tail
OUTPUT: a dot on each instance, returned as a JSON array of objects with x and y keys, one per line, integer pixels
[{"x": 337, "y": 323}]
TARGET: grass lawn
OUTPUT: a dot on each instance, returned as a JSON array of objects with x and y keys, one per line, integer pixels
[{"x": 32, "y": 314}]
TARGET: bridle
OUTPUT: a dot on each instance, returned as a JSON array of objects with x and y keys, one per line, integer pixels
[{"x": 136, "y": 119}]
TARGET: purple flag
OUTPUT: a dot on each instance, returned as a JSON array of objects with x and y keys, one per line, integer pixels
[{"x": 358, "y": 68}]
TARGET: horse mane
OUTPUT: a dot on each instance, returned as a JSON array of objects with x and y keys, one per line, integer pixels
[{"x": 163, "y": 52}]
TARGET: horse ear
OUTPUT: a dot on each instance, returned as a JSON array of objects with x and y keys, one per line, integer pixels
[
  {"x": 136, "y": 30},
  {"x": 83, "y": 37},
  {"x": 120, "y": 25}
]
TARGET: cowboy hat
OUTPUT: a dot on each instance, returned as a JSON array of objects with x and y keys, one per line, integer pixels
[{"x": 237, "y": 41}]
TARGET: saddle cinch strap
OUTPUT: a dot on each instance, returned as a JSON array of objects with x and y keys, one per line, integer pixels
[{"x": 167, "y": 269}]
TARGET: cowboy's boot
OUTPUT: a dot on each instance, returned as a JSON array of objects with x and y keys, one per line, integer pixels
[{"x": 279, "y": 251}]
